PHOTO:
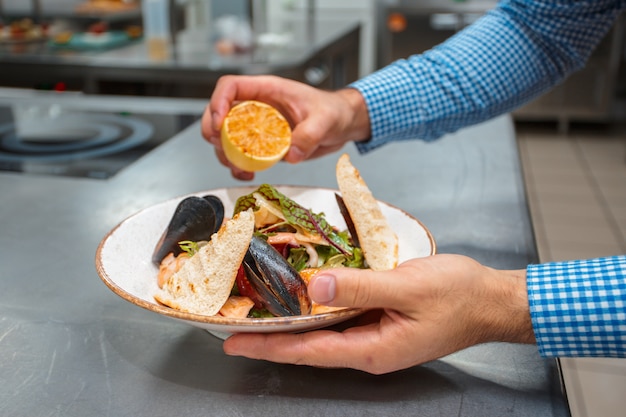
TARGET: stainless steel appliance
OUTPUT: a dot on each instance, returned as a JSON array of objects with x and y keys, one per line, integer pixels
[
  {"x": 409, "y": 27},
  {"x": 92, "y": 137}
]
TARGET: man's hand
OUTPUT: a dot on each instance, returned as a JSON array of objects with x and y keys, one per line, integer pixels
[
  {"x": 422, "y": 310},
  {"x": 321, "y": 121}
]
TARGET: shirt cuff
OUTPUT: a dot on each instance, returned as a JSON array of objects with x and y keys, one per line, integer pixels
[{"x": 578, "y": 308}]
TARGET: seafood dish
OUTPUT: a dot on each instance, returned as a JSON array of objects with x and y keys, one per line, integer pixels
[
  {"x": 128, "y": 262},
  {"x": 123, "y": 259},
  {"x": 285, "y": 246},
  {"x": 209, "y": 264}
]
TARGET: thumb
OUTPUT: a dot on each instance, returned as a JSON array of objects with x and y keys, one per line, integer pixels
[
  {"x": 351, "y": 287},
  {"x": 302, "y": 144},
  {"x": 306, "y": 139}
]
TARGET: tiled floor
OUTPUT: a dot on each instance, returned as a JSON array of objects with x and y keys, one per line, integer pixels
[{"x": 576, "y": 187}]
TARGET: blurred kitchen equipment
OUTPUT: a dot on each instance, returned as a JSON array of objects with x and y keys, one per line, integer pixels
[
  {"x": 410, "y": 27},
  {"x": 67, "y": 134},
  {"x": 156, "y": 28}
]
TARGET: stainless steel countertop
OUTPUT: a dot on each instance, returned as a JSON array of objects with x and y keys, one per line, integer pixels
[{"x": 70, "y": 347}]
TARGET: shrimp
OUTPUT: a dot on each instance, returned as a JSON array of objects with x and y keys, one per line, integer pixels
[
  {"x": 293, "y": 239},
  {"x": 236, "y": 307},
  {"x": 169, "y": 266}
]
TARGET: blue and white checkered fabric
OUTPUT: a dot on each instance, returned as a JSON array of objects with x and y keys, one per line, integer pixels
[
  {"x": 514, "y": 53},
  {"x": 511, "y": 55},
  {"x": 578, "y": 308}
]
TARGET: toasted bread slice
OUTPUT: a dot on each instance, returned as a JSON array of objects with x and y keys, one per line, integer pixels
[
  {"x": 378, "y": 241},
  {"x": 204, "y": 282}
]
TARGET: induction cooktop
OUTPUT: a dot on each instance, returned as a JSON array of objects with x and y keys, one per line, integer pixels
[{"x": 55, "y": 139}]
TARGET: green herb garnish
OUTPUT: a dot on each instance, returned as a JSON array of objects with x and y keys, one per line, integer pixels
[{"x": 189, "y": 246}]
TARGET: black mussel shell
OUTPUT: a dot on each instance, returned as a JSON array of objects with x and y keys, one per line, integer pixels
[
  {"x": 280, "y": 286},
  {"x": 218, "y": 206},
  {"x": 195, "y": 219},
  {"x": 343, "y": 209}
]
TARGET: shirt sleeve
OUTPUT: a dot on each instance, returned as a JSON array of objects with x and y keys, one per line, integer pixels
[
  {"x": 514, "y": 53},
  {"x": 578, "y": 308}
]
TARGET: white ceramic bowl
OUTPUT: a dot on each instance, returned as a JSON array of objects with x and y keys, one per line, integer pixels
[{"x": 123, "y": 258}]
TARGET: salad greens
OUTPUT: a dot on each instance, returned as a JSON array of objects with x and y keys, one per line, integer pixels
[{"x": 335, "y": 248}]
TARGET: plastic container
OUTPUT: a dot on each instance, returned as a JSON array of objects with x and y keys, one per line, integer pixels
[{"x": 156, "y": 27}]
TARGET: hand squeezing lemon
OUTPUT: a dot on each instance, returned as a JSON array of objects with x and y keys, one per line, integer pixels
[{"x": 255, "y": 136}]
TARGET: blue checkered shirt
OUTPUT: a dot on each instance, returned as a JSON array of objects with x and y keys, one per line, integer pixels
[
  {"x": 516, "y": 52},
  {"x": 578, "y": 308}
]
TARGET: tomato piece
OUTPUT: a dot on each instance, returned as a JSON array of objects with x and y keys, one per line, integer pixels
[{"x": 246, "y": 289}]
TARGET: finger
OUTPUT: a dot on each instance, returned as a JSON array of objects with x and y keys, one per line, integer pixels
[
  {"x": 311, "y": 138},
  {"x": 235, "y": 172},
  {"x": 324, "y": 150},
  {"x": 206, "y": 125},
  {"x": 242, "y": 175},
  {"x": 222, "y": 99},
  {"x": 303, "y": 141},
  {"x": 212, "y": 138},
  {"x": 354, "y": 348},
  {"x": 231, "y": 89},
  {"x": 221, "y": 156},
  {"x": 219, "y": 153},
  {"x": 350, "y": 287}
]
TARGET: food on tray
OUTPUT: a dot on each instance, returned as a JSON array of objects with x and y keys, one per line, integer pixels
[
  {"x": 134, "y": 31},
  {"x": 23, "y": 30},
  {"x": 106, "y": 6},
  {"x": 255, "y": 135},
  {"x": 266, "y": 272},
  {"x": 98, "y": 28},
  {"x": 378, "y": 241},
  {"x": 97, "y": 35},
  {"x": 64, "y": 37}
]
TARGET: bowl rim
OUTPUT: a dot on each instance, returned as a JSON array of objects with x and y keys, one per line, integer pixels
[{"x": 221, "y": 320}]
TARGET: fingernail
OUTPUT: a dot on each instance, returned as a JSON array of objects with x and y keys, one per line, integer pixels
[
  {"x": 214, "y": 117},
  {"x": 322, "y": 288},
  {"x": 243, "y": 175},
  {"x": 295, "y": 155}
]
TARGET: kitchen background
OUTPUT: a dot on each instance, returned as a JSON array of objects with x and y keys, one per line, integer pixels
[{"x": 572, "y": 140}]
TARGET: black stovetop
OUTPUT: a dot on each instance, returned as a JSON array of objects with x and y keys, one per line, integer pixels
[{"x": 51, "y": 139}]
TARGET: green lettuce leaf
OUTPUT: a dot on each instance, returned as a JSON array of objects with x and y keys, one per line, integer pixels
[{"x": 296, "y": 215}]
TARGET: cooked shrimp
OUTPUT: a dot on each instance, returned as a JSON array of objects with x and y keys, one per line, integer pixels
[
  {"x": 169, "y": 266},
  {"x": 293, "y": 239},
  {"x": 236, "y": 307},
  {"x": 284, "y": 237},
  {"x": 321, "y": 309}
]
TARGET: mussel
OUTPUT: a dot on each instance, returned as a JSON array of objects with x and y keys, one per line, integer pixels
[
  {"x": 279, "y": 286},
  {"x": 195, "y": 219}
]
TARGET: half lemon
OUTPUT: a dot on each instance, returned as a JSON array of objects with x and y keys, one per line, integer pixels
[{"x": 255, "y": 135}]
